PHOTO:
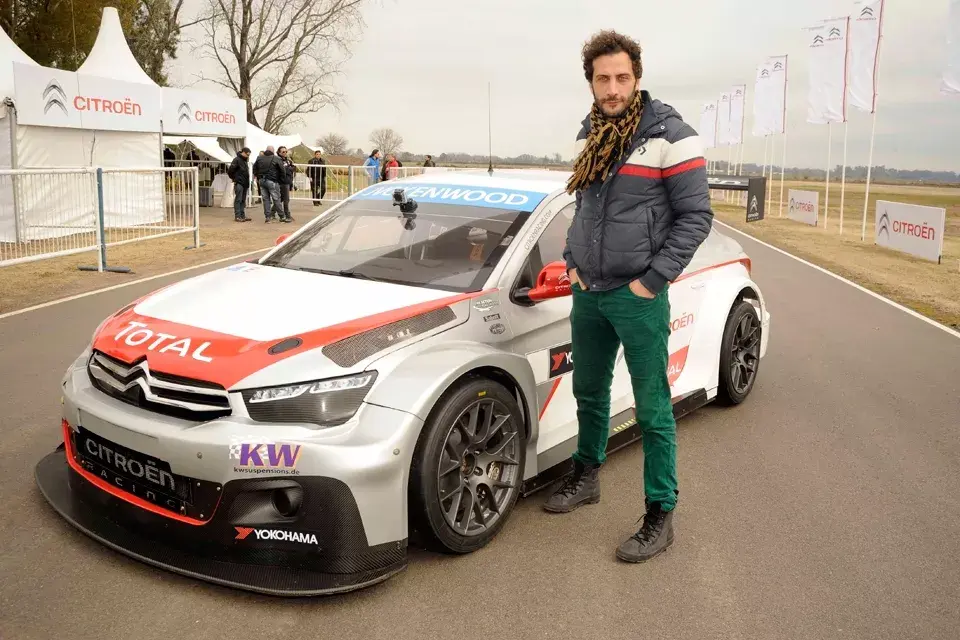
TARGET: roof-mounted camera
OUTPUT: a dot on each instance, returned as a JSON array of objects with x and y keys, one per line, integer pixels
[{"x": 408, "y": 207}]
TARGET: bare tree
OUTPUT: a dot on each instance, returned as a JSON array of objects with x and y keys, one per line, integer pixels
[
  {"x": 281, "y": 56},
  {"x": 333, "y": 143},
  {"x": 387, "y": 140}
]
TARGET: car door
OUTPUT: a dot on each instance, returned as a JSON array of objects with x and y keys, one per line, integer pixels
[{"x": 542, "y": 334}]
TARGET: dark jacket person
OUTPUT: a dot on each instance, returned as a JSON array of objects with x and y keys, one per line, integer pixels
[{"x": 643, "y": 209}]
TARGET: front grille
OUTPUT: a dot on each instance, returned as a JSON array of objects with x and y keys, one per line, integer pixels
[{"x": 161, "y": 393}]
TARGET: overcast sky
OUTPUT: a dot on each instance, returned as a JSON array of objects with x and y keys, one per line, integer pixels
[{"x": 422, "y": 67}]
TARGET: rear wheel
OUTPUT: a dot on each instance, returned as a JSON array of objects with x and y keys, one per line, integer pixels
[
  {"x": 739, "y": 354},
  {"x": 466, "y": 472}
]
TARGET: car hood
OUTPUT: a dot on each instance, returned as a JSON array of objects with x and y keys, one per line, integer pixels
[{"x": 222, "y": 326}]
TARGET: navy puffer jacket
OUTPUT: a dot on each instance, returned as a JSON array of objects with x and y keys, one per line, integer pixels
[{"x": 650, "y": 212}]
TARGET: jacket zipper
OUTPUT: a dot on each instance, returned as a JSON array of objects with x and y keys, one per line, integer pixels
[{"x": 611, "y": 173}]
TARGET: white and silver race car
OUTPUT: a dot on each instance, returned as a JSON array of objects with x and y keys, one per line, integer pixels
[{"x": 399, "y": 369}]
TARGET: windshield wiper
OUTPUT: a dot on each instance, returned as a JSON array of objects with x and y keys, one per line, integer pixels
[{"x": 346, "y": 273}]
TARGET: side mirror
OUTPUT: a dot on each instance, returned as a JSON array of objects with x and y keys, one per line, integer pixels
[
  {"x": 552, "y": 282},
  {"x": 282, "y": 238}
]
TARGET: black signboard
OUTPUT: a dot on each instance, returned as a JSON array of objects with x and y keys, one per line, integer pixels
[{"x": 756, "y": 199}]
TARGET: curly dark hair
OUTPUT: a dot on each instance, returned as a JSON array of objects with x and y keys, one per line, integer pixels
[{"x": 610, "y": 42}]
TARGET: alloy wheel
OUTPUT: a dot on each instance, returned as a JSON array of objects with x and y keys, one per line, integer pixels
[
  {"x": 746, "y": 352},
  {"x": 479, "y": 467}
]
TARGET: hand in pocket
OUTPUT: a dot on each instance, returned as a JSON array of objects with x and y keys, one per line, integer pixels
[{"x": 639, "y": 290}]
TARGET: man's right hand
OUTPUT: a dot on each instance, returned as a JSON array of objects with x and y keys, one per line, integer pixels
[{"x": 574, "y": 278}]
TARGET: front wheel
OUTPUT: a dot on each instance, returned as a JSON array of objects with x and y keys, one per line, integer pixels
[
  {"x": 467, "y": 468},
  {"x": 739, "y": 354}
]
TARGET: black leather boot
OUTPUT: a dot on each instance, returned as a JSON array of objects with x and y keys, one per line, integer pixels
[
  {"x": 583, "y": 487},
  {"x": 651, "y": 539}
]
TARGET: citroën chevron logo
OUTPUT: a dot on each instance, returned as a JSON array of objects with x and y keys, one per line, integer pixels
[
  {"x": 183, "y": 112},
  {"x": 883, "y": 225},
  {"x": 54, "y": 96}
]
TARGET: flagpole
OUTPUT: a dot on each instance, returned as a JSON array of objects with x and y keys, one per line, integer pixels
[
  {"x": 873, "y": 127},
  {"x": 826, "y": 201},
  {"x": 843, "y": 175},
  {"x": 783, "y": 164},
  {"x": 782, "y": 169}
]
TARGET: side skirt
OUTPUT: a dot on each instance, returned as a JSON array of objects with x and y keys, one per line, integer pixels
[{"x": 557, "y": 462}]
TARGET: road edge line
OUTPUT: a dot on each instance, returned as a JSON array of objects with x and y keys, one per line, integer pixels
[
  {"x": 892, "y": 303},
  {"x": 87, "y": 294}
]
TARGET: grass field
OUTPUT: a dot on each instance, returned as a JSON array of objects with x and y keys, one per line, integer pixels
[{"x": 926, "y": 287}]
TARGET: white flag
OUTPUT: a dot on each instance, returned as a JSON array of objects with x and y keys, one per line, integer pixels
[
  {"x": 950, "y": 82},
  {"x": 866, "y": 24},
  {"x": 827, "y": 47},
  {"x": 723, "y": 120},
  {"x": 708, "y": 125},
  {"x": 737, "y": 102},
  {"x": 778, "y": 94},
  {"x": 763, "y": 100}
]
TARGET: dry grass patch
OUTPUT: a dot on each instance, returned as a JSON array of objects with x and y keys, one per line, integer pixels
[
  {"x": 926, "y": 287},
  {"x": 33, "y": 283}
]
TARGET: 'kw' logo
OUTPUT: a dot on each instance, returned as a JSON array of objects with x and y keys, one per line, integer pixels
[
  {"x": 883, "y": 225},
  {"x": 54, "y": 96},
  {"x": 183, "y": 112}
]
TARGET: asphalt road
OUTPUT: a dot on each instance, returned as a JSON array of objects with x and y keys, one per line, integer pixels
[{"x": 826, "y": 506}]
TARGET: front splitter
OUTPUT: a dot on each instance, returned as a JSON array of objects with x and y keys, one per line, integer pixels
[{"x": 64, "y": 489}]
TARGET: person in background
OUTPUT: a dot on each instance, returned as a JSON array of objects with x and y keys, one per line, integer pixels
[
  {"x": 286, "y": 183},
  {"x": 239, "y": 172},
  {"x": 373, "y": 166},
  {"x": 318, "y": 177},
  {"x": 269, "y": 171},
  {"x": 391, "y": 169},
  {"x": 429, "y": 162}
]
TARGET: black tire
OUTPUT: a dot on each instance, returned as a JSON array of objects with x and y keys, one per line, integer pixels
[
  {"x": 476, "y": 474},
  {"x": 740, "y": 351}
]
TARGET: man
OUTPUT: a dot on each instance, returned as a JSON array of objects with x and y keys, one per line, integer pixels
[
  {"x": 239, "y": 172},
  {"x": 429, "y": 161},
  {"x": 372, "y": 163},
  {"x": 268, "y": 170},
  {"x": 318, "y": 177},
  {"x": 643, "y": 209},
  {"x": 286, "y": 183}
]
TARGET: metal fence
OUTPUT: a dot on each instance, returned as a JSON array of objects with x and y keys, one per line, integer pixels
[{"x": 49, "y": 213}]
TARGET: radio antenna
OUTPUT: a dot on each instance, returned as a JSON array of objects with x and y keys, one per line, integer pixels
[{"x": 489, "y": 130}]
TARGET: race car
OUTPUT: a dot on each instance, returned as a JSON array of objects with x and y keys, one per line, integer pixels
[{"x": 397, "y": 371}]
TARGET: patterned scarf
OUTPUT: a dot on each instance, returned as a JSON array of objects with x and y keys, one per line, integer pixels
[{"x": 607, "y": 141}]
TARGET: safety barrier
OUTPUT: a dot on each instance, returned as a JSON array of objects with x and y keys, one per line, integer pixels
[{"x": 49, "y": 213}]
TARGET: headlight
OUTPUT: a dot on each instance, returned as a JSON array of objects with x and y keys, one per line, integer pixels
[{"x": 326, "y": 403}]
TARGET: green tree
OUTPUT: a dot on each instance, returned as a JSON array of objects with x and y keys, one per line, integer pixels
[{"x": 60, "y": 33}]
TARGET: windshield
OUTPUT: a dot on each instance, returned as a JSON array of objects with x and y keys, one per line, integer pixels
[{"x": 444, "y": 246}]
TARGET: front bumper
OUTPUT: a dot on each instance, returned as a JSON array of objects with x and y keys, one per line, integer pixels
[{"x": 337, "y": 524}]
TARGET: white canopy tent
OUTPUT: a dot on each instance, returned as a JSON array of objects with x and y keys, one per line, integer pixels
[
  {"x": 9, "y": 53},
  {"x": 61, "y": 122}
]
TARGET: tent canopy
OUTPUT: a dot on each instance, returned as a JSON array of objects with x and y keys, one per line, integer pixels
[
  {"x": 10, "y": 53},
  {"x": 111, "y": 56},
  {"x": 205, "y": 144},
  {"x": 258, "y": 140}
]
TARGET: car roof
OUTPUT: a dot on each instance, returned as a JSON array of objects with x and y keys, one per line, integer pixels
[{"x": 538, "y": 180}]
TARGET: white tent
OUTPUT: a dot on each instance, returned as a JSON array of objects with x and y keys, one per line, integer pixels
[
  {"x": 207, "y": 145},
  {"x": 82, "y": 133},
  {"x": 9, "y": 53}
]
